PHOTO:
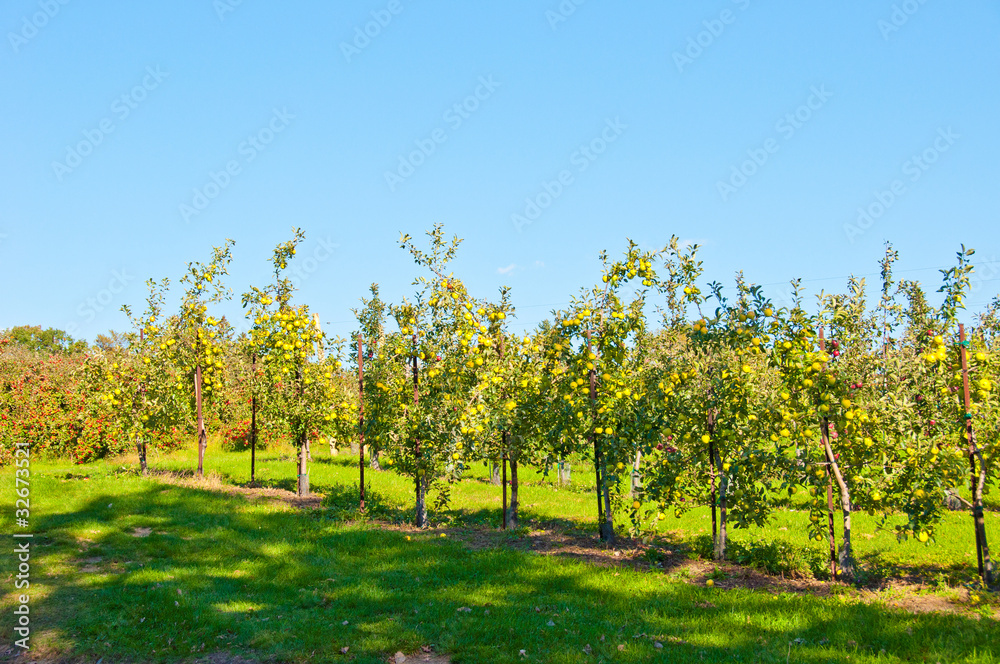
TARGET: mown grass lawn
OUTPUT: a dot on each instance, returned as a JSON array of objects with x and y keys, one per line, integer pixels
[
  {"x": 129, "y": 568},
  {"x": 948, "y": 560}
]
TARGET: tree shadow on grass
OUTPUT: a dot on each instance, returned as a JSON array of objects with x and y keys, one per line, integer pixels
[
  {"x": 878, "y": 571},
  {"x": 342, "y": 502},
  {"x": 218, "y": 574},
  {"x": 576, "y": 539},
  {"x": 343, "y": 461}
]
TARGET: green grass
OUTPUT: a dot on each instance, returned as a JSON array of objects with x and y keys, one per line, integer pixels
[
  {"x": 948, "y": 560},
  {"x": 222, "y": 574}
]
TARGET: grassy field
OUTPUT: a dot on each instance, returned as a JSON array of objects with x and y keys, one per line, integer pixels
[
  {"x": 127, "y": 568},
  {"x": 950, "y": 560}
]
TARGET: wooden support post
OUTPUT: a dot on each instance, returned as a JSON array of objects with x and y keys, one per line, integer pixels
[
  {"x": 253, "y": 420},
  {"x": 361, "y": 426},
  {"x": 200, "y": 422}
]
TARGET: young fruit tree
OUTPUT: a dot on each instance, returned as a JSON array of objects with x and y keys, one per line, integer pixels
[
  {"x": 596, "y": 337},
  {"x": 517, "y": 390},
  {"x": 287, "y": 345},
  {"x": 722, "y": 390},
  {"x": 138, "y": 380},
  {"x": 433, "y": 392},
  {"x": 195, "y": 338}
]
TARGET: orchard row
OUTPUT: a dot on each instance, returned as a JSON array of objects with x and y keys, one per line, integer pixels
[{"x": 724, "y": 398}]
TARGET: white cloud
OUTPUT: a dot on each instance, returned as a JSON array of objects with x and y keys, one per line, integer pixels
[{"x": 507, "y": 270}]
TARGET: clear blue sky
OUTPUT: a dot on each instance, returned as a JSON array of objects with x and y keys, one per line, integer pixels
[{"x": 670, "y": 101}]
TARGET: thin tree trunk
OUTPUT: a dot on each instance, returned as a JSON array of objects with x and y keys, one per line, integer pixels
[
  {"x": 140, "y": 441},
  {"x": 303, "y": 466},
  {"x": 846, "y": 556},
  {"x": 253, "y": 440},
  {"x": 374, "y": 464},
  {"x": 605, "y": 522},
  {"x": 636, "y": 477},
  {"x": 984, "y": 547},
  {"x": 512, "y": 515},
  {"x": 828, "y": 453},
  {"x": 976, "y": 507},
  {"x": 420, "y": 480},
  {"x": 140, "y": 445},
  {"x": 564, "y": 472},
  {"x": 361, "y": 476},
  {"x": 608, "y": 525},
  {"x": 494, "y": 473},
  {"x": 719, "y": 549},
  {"x": 503, "y": 484},
  {"x": 512, "y": 510},
  {"x": 832, "y": 532},
  {"x": 599, "y": 484},
  {"x": 200, "y": 422},
  {"x": 421, "y": 504},
  {"x": 712, "y": 494},
  {"x": 976, "y": 480}
]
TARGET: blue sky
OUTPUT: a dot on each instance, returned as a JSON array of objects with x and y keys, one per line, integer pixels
[{"x": 760, "y": 130}]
